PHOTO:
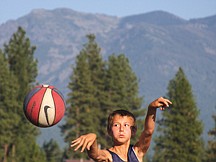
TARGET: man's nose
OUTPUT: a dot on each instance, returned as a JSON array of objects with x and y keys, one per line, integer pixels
[{"x": 121, "y": 128}]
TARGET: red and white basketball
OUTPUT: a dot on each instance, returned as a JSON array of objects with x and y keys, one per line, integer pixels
[{"x": 44, "y": 106}]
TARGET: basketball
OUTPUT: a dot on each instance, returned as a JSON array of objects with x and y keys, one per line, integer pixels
[{"x": 44, "y": 106}]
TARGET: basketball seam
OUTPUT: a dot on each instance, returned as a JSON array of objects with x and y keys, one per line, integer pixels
[
  {"x": 54, "y": 105},
  {"x": 41, "y": 104}
]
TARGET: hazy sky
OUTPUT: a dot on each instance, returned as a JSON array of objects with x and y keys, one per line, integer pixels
[{"x": 13, "y": 9}]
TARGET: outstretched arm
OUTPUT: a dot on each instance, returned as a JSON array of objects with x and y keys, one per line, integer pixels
[
  {"x": 89, "y": 142},
  {"x": 143, "y": 143}
]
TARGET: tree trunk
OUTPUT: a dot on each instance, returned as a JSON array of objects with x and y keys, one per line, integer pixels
[
  {"x": 13, "y": 152},
  {"x": 5, "y": 153}
]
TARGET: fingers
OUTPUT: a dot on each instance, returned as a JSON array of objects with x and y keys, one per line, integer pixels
[
  {"x": 78, "y": 143},
  {"x": 89, "y": 145},
  {"x": 165, "y": 102},
  {"x": 83, "y": 142},
  {"x": 86, "y": 145},
  {"x": 161, "y": 103}
]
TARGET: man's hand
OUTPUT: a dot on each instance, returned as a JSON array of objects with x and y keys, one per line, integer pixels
[
  {"x": 84, "y": 141},
  {"x": 161, "y": 103}
]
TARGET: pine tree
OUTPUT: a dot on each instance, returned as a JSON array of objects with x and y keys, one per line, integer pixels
[
  {"x": 21, "y": 62},
  {"x": 8, "y": 109},
  {"x": 83, "y": 106},
  {"x": 211, "y": 150},
  {"x": 52, "y": 151},
  {"x": 20, "y": 55},
  {"x": 97, "y": 74},
  {"x": 121, "y": 87},
  {"x": 179, "y": 129},
  {"x": 122, "y": 84},
  {"x": 29, "y": 151},
  {"x": 92, "y": 95}
]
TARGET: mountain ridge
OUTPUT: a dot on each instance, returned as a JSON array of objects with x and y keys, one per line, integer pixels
[
  {"x": 155, "y": 17},
  {"x": 156, "y": 43}
]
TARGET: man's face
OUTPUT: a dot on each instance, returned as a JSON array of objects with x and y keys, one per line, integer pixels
[{"x": 121, "y": 129}]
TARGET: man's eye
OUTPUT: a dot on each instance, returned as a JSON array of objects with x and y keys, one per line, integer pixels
[
  {"x": 127, "y": 125},
  {"x": 116, "y": 125}
]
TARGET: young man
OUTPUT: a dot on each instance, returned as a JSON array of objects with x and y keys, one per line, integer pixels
[{"x": 121, "y": 126}]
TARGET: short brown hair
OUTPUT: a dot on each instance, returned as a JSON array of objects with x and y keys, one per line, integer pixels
[{"x": 121, "y": 113}]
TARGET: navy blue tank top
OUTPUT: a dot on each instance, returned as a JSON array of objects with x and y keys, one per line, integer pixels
[{"x": 131, "y": 156}]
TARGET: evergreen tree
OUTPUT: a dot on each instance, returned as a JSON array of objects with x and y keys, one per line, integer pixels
[
  {"x": 211, "y": 150},
  {"x": 97, "y": 76},
  {"x": 121, "y": 87},
  {"x": 82, "y": 102},
  {"x": 29, "y": 152},
  {"x": 8, "y": 109},
  {"x": 52, "y": 151},
  {"x": 21, "y": 62},
  {"x": 20, "y": 55},
  {"x": 180, "y": 128},
  {"x": 122, "y": 84},
  {"x": 95, "y": 91}
]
